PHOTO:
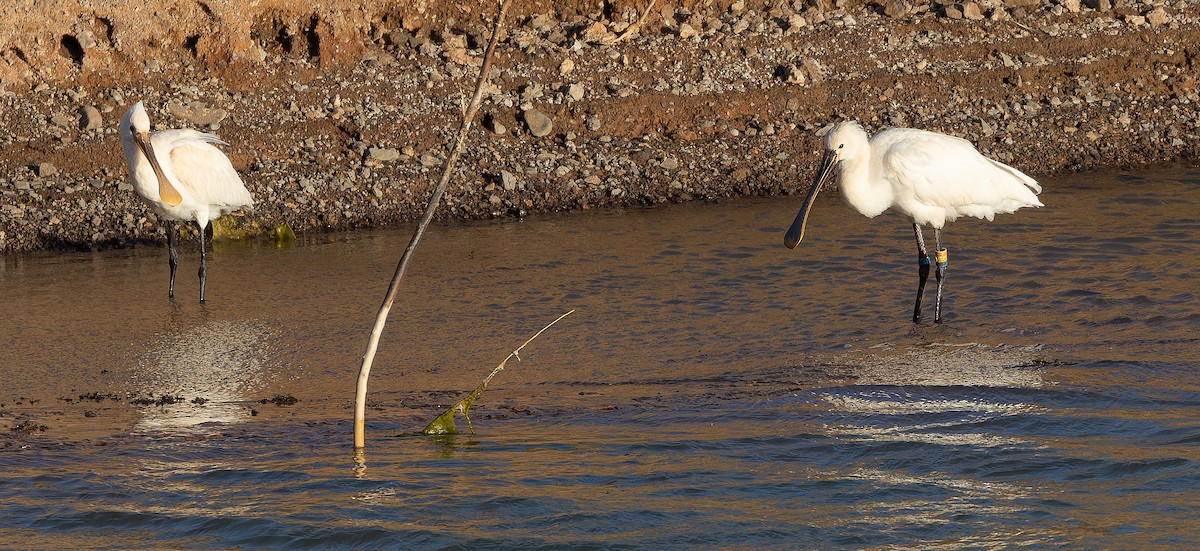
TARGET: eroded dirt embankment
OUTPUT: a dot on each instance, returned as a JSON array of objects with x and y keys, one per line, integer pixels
[{"x": 338, "y": 115}]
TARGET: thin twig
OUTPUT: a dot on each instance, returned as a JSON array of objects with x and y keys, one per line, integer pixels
[
  {"x": 515, "y": 353},
  {"x": 364, "y": 372},
  {"x": 1027, "y": 29},
  {"x": 444, "y": 423},
  {"x": 634, "y": 27}
]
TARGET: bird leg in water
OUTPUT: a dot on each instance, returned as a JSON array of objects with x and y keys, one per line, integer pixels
[
  {"x": 943, "y": 260},
  {"x": 923, "y": 262},
  {"x": 172, "y": 258},
  {"x": 204, "y": 265}
]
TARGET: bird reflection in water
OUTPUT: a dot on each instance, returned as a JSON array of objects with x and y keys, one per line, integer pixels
[
  {"x": 942, "y": 403},
  {"x": 907, "y": 390},
  {"x": 214, "y": 367}
]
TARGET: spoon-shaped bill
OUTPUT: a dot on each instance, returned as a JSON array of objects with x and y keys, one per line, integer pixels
[
  {"x": 796, "y": 232},
  {"x": 166, "y": 191}
]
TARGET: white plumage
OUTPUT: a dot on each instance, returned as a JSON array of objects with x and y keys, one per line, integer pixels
[
  {"x": 931, "y": 178},
  {"x": 182, "y": 175}
]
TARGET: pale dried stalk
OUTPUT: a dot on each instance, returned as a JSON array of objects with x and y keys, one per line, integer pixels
[
  {"x": 516, "y": 353},
  {"x": 360, "y": 397},
  {"x": 636, "y": 26},
  {"x": 440, "y": 426}
]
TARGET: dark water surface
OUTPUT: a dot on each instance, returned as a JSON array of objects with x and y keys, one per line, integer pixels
[{"x": 712, "y": 390}]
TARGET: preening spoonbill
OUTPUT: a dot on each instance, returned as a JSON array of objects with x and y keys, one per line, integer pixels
[
  {"x": 931, "y": 178},
  {"x": 182, "y": 176}
]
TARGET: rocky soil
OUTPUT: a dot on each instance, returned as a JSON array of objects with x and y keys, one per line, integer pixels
[{"x": 338, "y": 116}]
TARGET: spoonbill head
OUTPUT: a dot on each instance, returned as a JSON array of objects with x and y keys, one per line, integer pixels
[
  {"x": 846, "y": 140},
  {"x": 929, "y": 177},
  {"x": 135, "y": 129}
]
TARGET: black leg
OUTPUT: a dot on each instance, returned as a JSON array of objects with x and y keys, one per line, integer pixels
[
  {"x": 923, "y": 262},
  {"x": 943, "y": 260},
  {"x": 172, "y": 258},
  {"x": 203, "y": 265}
]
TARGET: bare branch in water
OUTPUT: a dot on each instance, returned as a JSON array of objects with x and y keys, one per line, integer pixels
[{"x": 364, "y": 372}]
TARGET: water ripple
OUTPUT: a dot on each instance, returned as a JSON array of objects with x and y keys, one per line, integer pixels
[{"x": 713, "y": 390}]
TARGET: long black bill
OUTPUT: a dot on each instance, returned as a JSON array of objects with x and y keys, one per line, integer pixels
[
  {"x": 796, "y": 232},
  {"x": 166, "y": 191}
]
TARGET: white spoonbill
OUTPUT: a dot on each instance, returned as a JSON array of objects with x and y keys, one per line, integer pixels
[
  {"x": 931, "y": 178},
  {"x": 182, "y": 176}
]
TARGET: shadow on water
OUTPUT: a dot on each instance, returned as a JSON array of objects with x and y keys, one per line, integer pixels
[{"x": 712, "y": 390}]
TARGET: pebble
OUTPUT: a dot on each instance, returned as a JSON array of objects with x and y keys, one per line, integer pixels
[
  {"x": 971, "y": 10},
  {"x": 459, "y": 56},
  {"x": 383, "y": 154},
  {"x": 412, "y": 22},
  {"x": 668, "y": 14},
  {"x": 538, "y": 123},
  {"x": 429, "y": 160},
  {"x": 815, "y": 71},
  {"x": 530, "y": 92},
  {"x": 92, "y": 120},
  {"x": 86, "y": 40},
  {"x": 596, "y": 32},
  {"x": 575, "y": 92},
  {"x": 896, "y": 9},
  {"x": 46, "y": 169},
  {"x": 1158, "y": 17},
  {"x": 197, "y": 113}
]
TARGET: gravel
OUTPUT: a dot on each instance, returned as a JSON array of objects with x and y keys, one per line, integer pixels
[{"x": 701, "y": 104}]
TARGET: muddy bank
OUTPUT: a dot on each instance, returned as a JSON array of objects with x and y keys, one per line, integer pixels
[{"x": 338, "y": 116}]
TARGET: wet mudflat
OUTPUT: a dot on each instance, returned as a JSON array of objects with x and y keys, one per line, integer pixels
[{"x": 713, "y": 389}]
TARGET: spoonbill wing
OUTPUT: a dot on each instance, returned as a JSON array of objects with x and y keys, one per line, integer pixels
[
  {"x": 204, "y": 171},
  {"x": 948, "y": 172}
]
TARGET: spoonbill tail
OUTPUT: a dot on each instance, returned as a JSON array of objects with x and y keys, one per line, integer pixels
[
  {"x": 931, "y": 178},
  {"x": 182, "y": 176}
]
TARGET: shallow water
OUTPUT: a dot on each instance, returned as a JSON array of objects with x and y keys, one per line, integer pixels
[{"x": 712, "y": 389}]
